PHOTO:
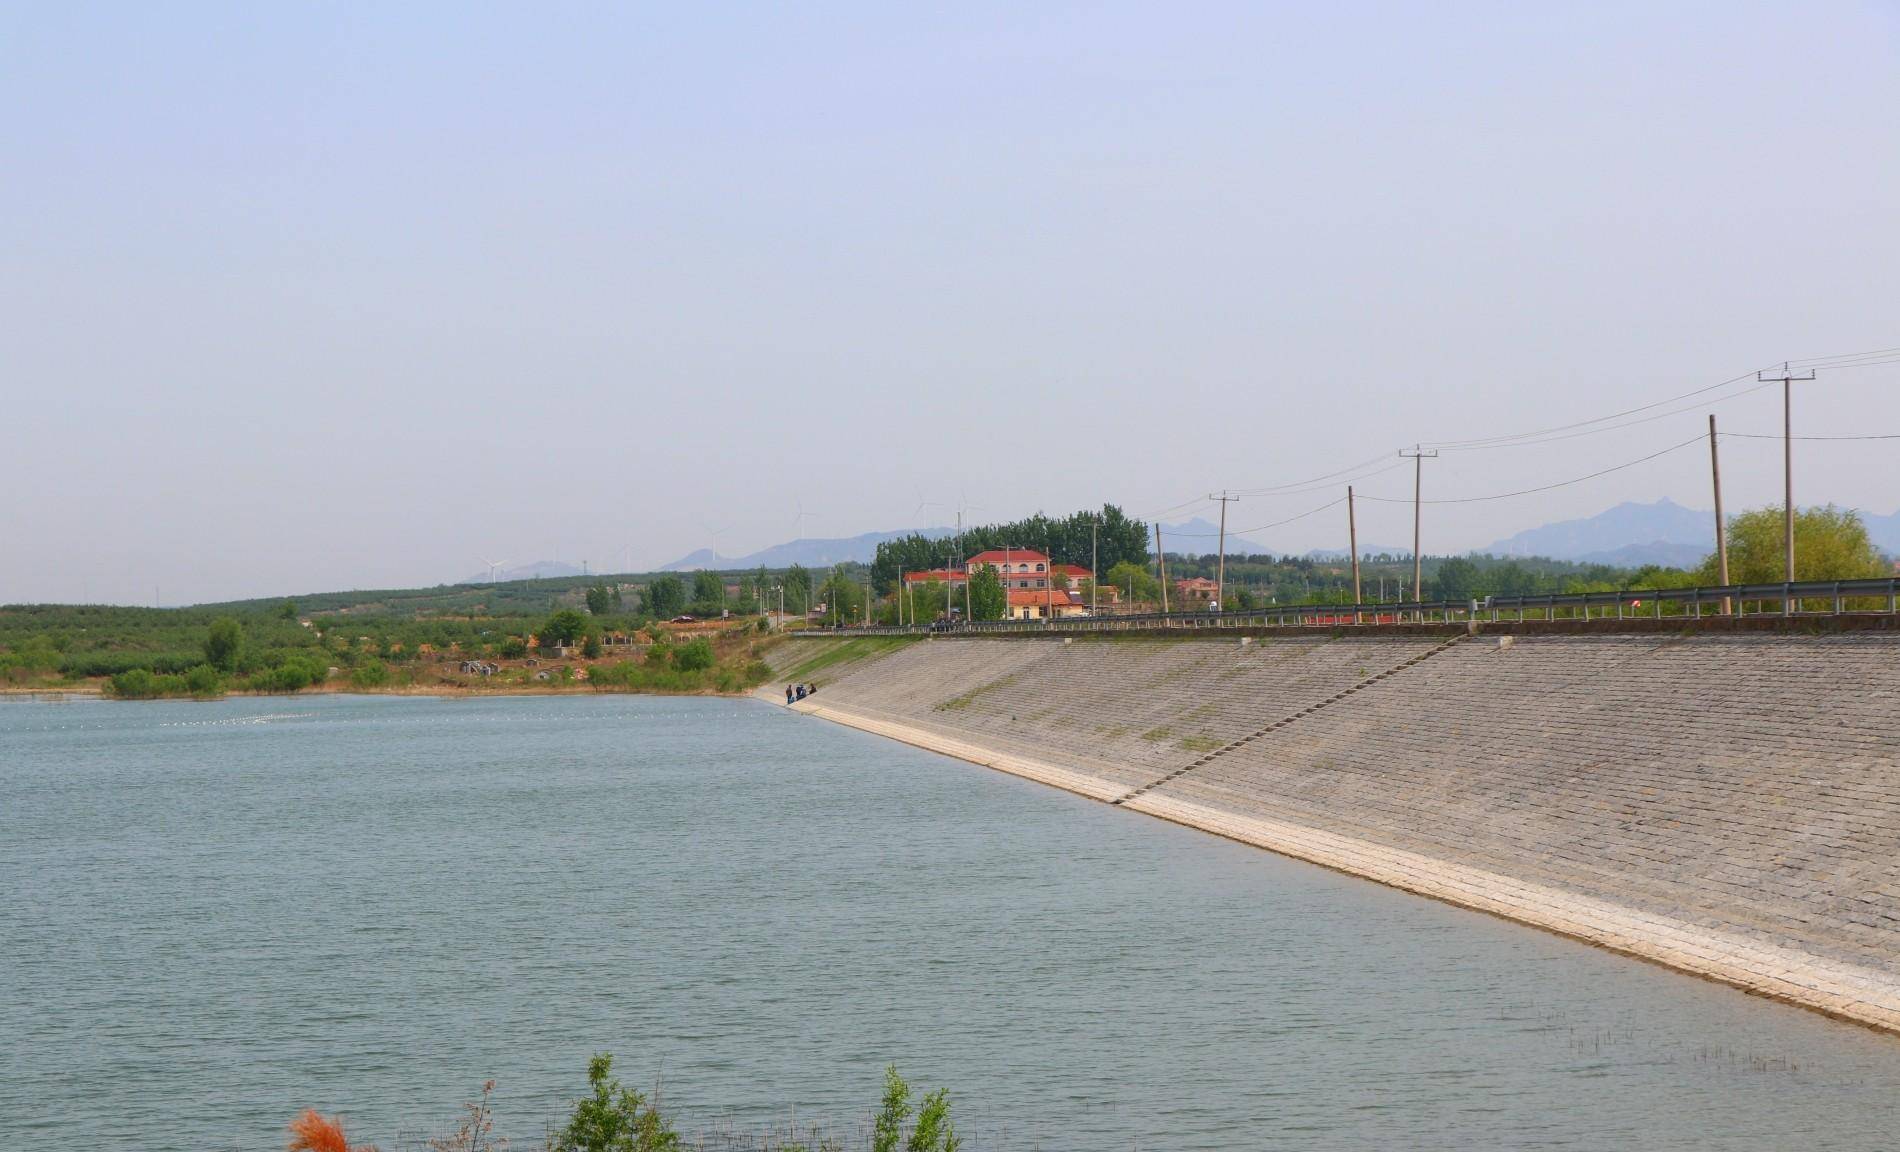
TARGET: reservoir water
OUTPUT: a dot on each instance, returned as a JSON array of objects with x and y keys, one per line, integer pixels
[{"x": 215, "y": 915}]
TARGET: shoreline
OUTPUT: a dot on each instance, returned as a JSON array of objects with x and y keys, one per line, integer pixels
[
  {"x": 1835, "y": 989},
  {"x": 445, "y": 692}
]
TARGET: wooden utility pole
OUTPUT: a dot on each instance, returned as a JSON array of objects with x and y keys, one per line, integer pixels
[
  {"x": 1787, "y": 379},
  {"x": 1220, "y": 572},
  {"x": 1721, "y": 526},
  {"x": 1419, "y": 456},
  {"x": 1352, "y": 538},
  {"x": 966, "y": 573},
  {"x": 1162, "y": 558},
  {"x": 1095, "y": 558}
]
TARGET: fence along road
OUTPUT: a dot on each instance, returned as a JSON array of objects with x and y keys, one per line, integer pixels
[{"x": 1809, "y": 598}]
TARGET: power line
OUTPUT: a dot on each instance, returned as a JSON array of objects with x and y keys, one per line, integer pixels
[
  {"x": 1860, "y": 359},
  {"x": 1477, "y": 447},
  {"x": 1778, "y": 436},
  {"x": 1263, "y": 527},
  {"x": 1697, "y": 439},
  {"x": 1573, "y": 430}
]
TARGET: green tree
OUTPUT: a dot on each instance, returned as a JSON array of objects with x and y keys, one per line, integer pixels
[
  {"x": 666, "y": 596},
  {"x": 1829, "y": 544},
  {"x": 843, "y": 597},
  {"x": 708, "y": 589},
  {"x": 287, "y": 610},
  {"x": 988, "y": 600},
  {"x": 563, "y": 628},
  {"x": 614, "y": 1119},
  {"x": 513, "y": 648},
  {"x": 1455, "y": 579},
  {"x": 1147, "y": 589},
  {"x": 590, "y": 646},
  {"x": 600, "y": 599},
  {"x": 224, "y": 643},
  {"x": 798, "y": 589}
]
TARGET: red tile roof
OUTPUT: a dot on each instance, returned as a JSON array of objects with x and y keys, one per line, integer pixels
[
  {"x": 1075, "y": 570},
  {"x": 1042, "y": 597},
  {"x": 1012, "y": 556},
  {"x": 937, "y": 575}
]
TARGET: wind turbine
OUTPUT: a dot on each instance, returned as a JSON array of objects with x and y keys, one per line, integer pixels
[
  {"x": 712, "y": 541},
  {"x": 802, "y": 517},
  {"x": 493, "y": 566},
  {"x": 924, "y": 505}
]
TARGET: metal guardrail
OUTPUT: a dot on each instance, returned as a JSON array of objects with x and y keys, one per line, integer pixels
[{"x": 1800, "y": 598}]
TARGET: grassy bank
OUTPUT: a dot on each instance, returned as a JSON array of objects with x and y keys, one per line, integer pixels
[{"x": 146, "y": 654}]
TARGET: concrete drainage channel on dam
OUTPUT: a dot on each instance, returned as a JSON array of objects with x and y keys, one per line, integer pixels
[{"x": 1721, "y": 802}]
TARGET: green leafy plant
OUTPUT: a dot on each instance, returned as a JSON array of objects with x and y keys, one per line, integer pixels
[
  {"x": 614, "y": 1119},
  {"x": 931, "y": 1133}
]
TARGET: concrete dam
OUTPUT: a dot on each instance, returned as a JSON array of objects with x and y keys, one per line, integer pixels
[{"x": 1721, "y": 802}]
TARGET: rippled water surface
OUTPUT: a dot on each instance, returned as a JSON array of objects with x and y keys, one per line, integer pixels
[{"x": 214, "y": 915}]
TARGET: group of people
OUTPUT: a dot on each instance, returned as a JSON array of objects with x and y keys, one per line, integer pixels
[{"x": 799, "y": 691}]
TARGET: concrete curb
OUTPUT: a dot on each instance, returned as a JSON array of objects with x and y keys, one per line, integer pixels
[{"x": 1844, "y": 991}]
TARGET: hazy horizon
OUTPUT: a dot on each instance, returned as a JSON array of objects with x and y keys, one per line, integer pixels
[{"x": 325, "y": 298}]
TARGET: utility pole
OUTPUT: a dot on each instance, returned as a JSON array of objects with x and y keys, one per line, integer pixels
[
  {"x": 1721, "y": 526},
  {"x": 1220, "y": 573},
  {"x": 1162, "y": 558},
  {"x": 1419, "y": 456},
  {"x": 966, "y": 572},
  {"x": 1352, "y": 538},
  {"x": 1095, "y": 559},
  {"x": 1787, "y": 379}
]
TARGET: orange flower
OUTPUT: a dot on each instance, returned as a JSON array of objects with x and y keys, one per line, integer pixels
[{"x": 312, "y": 1133}]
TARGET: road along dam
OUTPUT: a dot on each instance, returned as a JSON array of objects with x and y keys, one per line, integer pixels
[{"x": 1724, "y": 803}]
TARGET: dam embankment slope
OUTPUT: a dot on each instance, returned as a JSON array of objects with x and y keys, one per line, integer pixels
[{"x": 1726, "y": 804}]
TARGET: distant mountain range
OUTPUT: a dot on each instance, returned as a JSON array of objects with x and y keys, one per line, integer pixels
[
  {"x": 861, "y": 549},
  {"x": 1198, "y": 536},
  {"x": 1664, "y": 532},
  {"x": 1628, "y": 535}
]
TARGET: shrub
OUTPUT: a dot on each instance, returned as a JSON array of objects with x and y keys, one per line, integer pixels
[
  {"x": 203, "y": 681},
  {"x": 133, "y": 684},
  {"x": 369, "y": 674},
  {"x": 614, "y": 1119},
  {"x": 514, "y": 648},
  {"x": 694, "y": 655}
]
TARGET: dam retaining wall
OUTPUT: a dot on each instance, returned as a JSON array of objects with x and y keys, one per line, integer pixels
[{"x": 1720, "y": 803}]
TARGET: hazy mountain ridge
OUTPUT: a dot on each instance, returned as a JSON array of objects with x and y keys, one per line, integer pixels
[
  {"x": 812, "y": 553},
  {"x": 1632, "y": 534}
]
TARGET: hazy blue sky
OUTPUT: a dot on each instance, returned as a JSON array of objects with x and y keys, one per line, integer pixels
[{"x": 298, "y": 298}]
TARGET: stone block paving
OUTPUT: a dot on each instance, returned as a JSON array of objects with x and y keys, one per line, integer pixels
[
  {"x": 1125, "y": 711},
  {"x": 1746, "y": 784}
]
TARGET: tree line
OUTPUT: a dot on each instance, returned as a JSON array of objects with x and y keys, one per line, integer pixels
[{"x": 1116, "y": 539}]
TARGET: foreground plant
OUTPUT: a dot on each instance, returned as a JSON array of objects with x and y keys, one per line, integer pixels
[
  {"x": 932, "y": 1132},
  {"x": 313, "y": 1133},
  {"x": 615, "y": 1119},
  {"x": 478, "y": 1121},
  {"x": 618, "y": 1119}
]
